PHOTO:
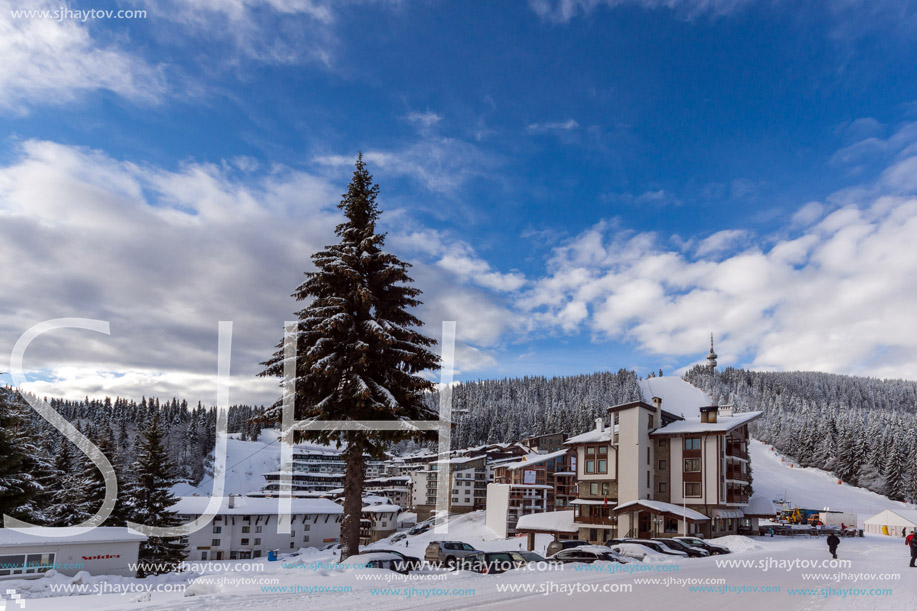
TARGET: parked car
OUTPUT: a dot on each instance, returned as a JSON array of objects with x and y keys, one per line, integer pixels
[
  {"x": 420, "y": 528},
  {"x": 639, "y": 552},
  {"x": 439, "y": 553},
  {"x": 681, "y": 546},
  {"x": 377, "y": 560},
  {"x": 587, "y": 554},
  {"x": 491, "y": 563},
  {"x": 411, "y": 563},
  {"x": 556, "y": 546},
  {"x": 331, "y": 547},
  {"x": 659, "y": 547},
  {"x": 398, "y": 537},
  {"x": 531, "y": 557},
  {"x": 611, "y": 542},
  {"x": 713, "y": 549}
]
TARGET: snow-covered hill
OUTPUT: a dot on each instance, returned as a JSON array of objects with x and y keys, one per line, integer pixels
[{"x": 811, "y": 488}]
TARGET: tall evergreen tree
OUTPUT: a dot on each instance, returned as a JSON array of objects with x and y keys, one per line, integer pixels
[
  {"x": 18, "y": 486},
  {"x": 358, "y": 350},
  {"x": 150, "y": 499}
]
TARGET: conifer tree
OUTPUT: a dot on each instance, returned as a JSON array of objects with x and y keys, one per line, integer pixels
[
  {"x": 358, "y": 350},
  {"x": 150, "y": 500},
  {"x": 18, "y": 486}
]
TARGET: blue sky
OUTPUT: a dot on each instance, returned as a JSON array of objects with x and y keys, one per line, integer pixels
[{"x": 583, "y": 185}]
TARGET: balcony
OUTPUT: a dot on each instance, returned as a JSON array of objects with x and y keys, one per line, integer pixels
[
  {"x": 597, "y": 520},
  {"x": 736, "y": 498},
  {"x": 736, "y": 474},
  {"x": 736, "y": 452}
]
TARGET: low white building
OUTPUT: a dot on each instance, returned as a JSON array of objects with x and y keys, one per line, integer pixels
[
  {"x": 892, "y": 522},
  {"x": 246, "y": 527},
  {"x": 104, "y": 550}
]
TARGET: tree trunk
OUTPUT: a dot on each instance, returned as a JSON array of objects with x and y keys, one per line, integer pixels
[{"x": 353, "y": 500}]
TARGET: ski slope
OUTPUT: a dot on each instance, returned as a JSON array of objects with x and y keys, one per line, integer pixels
[{"x": 811, "y": 488}]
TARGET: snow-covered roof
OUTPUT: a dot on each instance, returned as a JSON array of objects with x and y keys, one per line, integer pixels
[
  {"x": 307, "y": 473},
  {"x": 381, "y": 509},
  {"x": 534, "y": 459},
  {"x": 661, "y": 506},
  {"x": 760, "y": 505},
  {"x": 591, "y": 502},
  {"x": 69, "y": 534},
  {"x": 723, "y": 424},
  {"x": 374, "y": 499},
  {"x": 549, "y": 521},
  {"x": 246, "y": 505},
  {"x": 593, "y": 436},
  {"x": 678, "y": 397}
]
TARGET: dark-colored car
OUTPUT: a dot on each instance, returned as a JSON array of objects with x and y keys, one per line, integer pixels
[
  {"x": 491, "y": 563},
  {"x": 681, "y": 546},
  {"x": 713, "y": 549},
  {"x": 531, "y": 557},
  {"x": 659, "y": 547},
  {"x": 588, "y": 555},
  {"x": 411, "y": 563},
  {"x": 420, "y": 528},
  {"x": 556, "y": 546},
  {"x": 611, "y": 542}
]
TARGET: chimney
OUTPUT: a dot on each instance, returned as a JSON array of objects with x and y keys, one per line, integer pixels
[
  {"x": 600, "y": 424},
  {"x": 708, "y": 414},
  {"x": 657, "y": 403},
  {"x": 232, "y": 501}
]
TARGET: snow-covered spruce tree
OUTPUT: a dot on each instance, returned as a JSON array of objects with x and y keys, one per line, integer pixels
[
  {"x": 150, "y": 497},
  {"x": 358, "y": 350},
  {"x": 90, "y": 484},
  {"x": 17, "y": 485}
]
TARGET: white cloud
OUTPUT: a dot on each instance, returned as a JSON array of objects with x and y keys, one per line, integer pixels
[
  {"x": 720, "y": 241},
  {"x": 50, "y": 62},
  {"x": 164, "y": 254},
  {"x": 833, "y": 295},
  {"x": 558, "y": 126},
  {"x": 424, "y": 120},
  {"x": 561, "y": 11}
]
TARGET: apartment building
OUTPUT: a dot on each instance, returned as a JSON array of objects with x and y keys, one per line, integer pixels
[
  {"x": 378, "y": 520},
  {"x": 468, "y": 485},
  {"x": 246, "y": 527},
  {"x": 650, "y": 472}
]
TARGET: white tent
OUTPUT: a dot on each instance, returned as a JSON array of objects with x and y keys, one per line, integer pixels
[{"x": 896, "y": 522}]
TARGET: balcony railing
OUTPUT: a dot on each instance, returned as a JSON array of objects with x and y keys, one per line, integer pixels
[
  {"x": 736, "y": 498},
  {"x": 600, "y": 520},
  {"x": 736, "y": 452},
  {"x": 736, "y": 475}
]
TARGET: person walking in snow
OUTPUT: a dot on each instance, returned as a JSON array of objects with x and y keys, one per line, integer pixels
[
  {"x": 911, "y": 542},
  {"x": 833, "y": 542}
]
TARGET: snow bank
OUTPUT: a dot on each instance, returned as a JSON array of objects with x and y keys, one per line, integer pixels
[{"x": 737, "y": 543}]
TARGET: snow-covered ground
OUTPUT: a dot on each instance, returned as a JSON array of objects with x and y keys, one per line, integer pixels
[
  {"x": 314, "y": 580},
  {"x": 778, "y": 565},
  {"x": 812, "y": 488}
]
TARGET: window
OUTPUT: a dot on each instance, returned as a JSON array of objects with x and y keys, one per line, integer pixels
[
  {"x": 590, "y": 466},
  {"x": 291, "y": 545},
  {"x": 594, "y": 488},
  {"x": 662, "y": 465},
  {"x": 650, "y": 422},
  {"x": 662, "y": 487},
  {"x": 246, "y": 529},
  {"x": 305, "y": 538},
  {"x": 258, "y": 529},
  {"x": 692, "y": 443},
  {"x": 603, "y": 466},
  {"x": 257, "y": 541},
  {"x": 692, "y": 465},
  {"x": 217, "y": 530},
  {"x": 616, "y": 418},
  {"x": 244, "y": 541},
  {"x": 590, "y": 450},
  {"x": 603, "y": 450},
  {"x": 649, "y": 460},
  {"x": 692, "y": 488},
  {"x": 306, "y": 527},
  {"x": 648, "y": 484},
  {"x": 214, "y": 543},
  {"x": 663, "y": 443},
  {"x": 203, "y": 555}
]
